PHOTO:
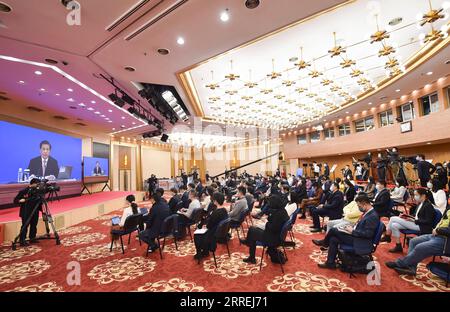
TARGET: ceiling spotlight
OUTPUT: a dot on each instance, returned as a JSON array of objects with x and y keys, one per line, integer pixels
[
  {"x": 90, "y": 109},
  {"x": 70, "y": 90},
  {"x": 21, "y": 82},
  {"x": 4, "y": 8},
  {"x": 180, "y": 40},
  {"x": 41, "y": 89},
  {"x": 38, "y": 72},
  {"x": 70, "y": 100},
  {"x": 224, "y": 16},
  {"x": 109, "y": 110},
  {"x": 97, "y": 113},
  {"x": 398, "y": 90},
  {"x": 163, "y": 51},
  {"x": 370, "y": 103},
  {"x": 82, "y": 105},
  {"x": 252, "y": 4},
  {"x": 430, "y": 73},
  {"x": 57, "y": 94},
  {"x": 117, "y": 100},
  {"x": 123, "y": 117}
]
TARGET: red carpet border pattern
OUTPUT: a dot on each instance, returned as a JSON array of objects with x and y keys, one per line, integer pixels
[{"x": 44, "y": 267}]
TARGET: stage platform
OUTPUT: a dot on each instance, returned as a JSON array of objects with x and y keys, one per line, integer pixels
[{"x": 68, "y": 212}]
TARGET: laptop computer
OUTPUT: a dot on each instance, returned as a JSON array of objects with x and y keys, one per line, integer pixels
[{"x": 65, "y": 172}]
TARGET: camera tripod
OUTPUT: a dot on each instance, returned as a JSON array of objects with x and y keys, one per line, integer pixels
[
  {"x": 53, "y": 195},
  {"x": 46, "y": 217}
]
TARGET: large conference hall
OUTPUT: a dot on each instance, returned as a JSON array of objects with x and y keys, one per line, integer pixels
[{"x": 225, "y": 147}]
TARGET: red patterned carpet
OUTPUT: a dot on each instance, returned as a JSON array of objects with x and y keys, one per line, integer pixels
[{"x": 45, "y": 267}]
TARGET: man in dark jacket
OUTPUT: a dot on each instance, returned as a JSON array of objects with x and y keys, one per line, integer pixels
[
  {"x": 360, "y": 236},
  {"x": 382, "y": 200},
  {"x": 424, "y": 170},
  {"x": 333, "y": 208},
  {"x": 425, "y": 246},
  {"x": 203, "y": 242},
  {"x": 27, "y": 204},
  {"x": 272, "y": 229},
  {"x": 174, "y": 200},
  {"x": 154, "y": 220}
]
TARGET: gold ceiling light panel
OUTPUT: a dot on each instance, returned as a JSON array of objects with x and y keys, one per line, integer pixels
[
  {"x": 300, "y": 90},
  {"x": 302, "y": 64},
  {"x": 349, "y": 98},
  {"x": 259, "y": 102},
  {"x": 433, "y": 35},
  {"x": 212, "y": 85},
  {"x": 335, "y": 88},
  {"x": 337, "y": 49},
  {"x": 288, "y": 83},
  {"x": 315, "y": 73},
  {"x": 311, "y": 95},
  {"x": 279, "y": 96},
  {"x": 232, "y": 76},
  {"x": 230, "y": 103},
  {"x": 386, "y": 50},
  {"x": 356, "y": 73},
  {"x": 266, "y": 91},
  {"x": 290, "y": 101},
  {"x": 231, "y": 92},
  {"x": 391, "y": 63},
  {"x": 326, "y": 82},
  {"x": 379, "y": 35},
  {"x": 346, "y": 63},
  {"x": 363, "y": 81},
  {"x": 273, "y": 74},
  {"x": 214, "y": 98},
  {"x": 250, "y": 84},
  {"x": 247, "y": 98},
  {"x": 432, "y": 15},
  {"x": 320, "y": 100},
  {"x": 395, "y": 72}
]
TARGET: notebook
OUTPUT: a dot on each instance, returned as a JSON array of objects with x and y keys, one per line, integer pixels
[{"x": 201, "y": 231}]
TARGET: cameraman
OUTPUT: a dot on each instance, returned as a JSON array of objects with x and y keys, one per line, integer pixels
[
  {"x": 424, "y": 170},
  {"x": 28, "y": 201}
]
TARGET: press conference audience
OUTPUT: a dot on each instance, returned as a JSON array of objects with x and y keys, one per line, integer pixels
[
  {"x": 332, "y": 208},
  {"x": 154, "y": 220},
  {"x": 439, "y": 196},
  {"x": 424, "y": 170},
  {"x": 359, "y": 236},
  {"x": 350, "y": 217},
  {"x": 194, "y": 204},
  {"x": 370, "y": 189},
  {"x": 270, "y": 233},
  {"x": 203, "y": 242},
  {"x": 350, "y": 191},
  {"x": 382, "y": 199},
  {"x": 420, "y": 220},
  {"x": 240, "y": 205},
  {"x": 174, "y": 200},
  {"x": 130, "y": 210},
  {"x": 422, "y": 247},
  {"x": 398, "y": 193}
]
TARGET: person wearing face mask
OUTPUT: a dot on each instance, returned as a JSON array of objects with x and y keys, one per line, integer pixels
[
  {"x": 424, "y": 246},
  {"x": 312, "y": 201},
  {"x": 439, "y": 196},
  {"x": 441, "y": 175},
  {"x": 381, "y": 201},
  {"x": 398, "y": 193},
  {"x": 370, "y": 188},
  {"x": 332, "y": 208},
  {"x": 381, "y": 167},
  {"x": 424, "y": 170},
  {"x": 359, "y": 236},
  {"x": 420, "y": 220},
  {"x": 350, "y": 191}
]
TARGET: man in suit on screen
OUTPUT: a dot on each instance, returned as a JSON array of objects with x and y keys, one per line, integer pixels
[
  {"x": 44, "y": 165},
  {"x": 97, "y": 169}
]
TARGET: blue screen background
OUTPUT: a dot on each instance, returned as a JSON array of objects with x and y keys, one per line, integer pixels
[
  {"x": 89, "y": 164},
  {"x": 19, "y": 144}
]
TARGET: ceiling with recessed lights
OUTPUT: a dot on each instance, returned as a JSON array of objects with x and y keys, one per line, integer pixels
[
  {"x": 318, "y": 66},
  {"x": 123, "y": 42}
]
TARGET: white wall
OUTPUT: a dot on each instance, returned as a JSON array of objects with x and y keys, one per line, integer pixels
[{"x": 155, "y": 162}]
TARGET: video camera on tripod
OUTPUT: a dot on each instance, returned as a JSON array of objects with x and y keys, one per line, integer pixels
[
  {"x": 37, "y": 196},
  {"x": 44, "y": 187}
]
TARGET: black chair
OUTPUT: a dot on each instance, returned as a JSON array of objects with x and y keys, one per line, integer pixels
[
  {"x": 169, "y": 227},
  {"x": 235, "y": 225},
  {"x": 220, "y": 237},
  {"x": 407, "y": 234},
  {"x": 179, "y": 205},
  {"x": 293, "y": 218},
  {"x": 282, "y": 238},
  {"x": 131, "y": 225},
  {"x": 406, "y": 196},
  {"x": 249, "y": 216},
  {"x": 195, "y": 218}
]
